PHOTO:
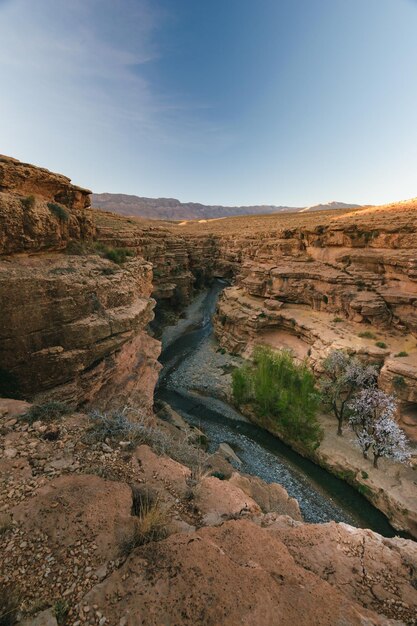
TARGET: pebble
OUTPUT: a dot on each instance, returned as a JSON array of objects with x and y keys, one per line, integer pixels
[{"x": 10, "y": 453}]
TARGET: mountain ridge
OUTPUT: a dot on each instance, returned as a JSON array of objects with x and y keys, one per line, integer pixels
[{"x": 173, "y": 209}]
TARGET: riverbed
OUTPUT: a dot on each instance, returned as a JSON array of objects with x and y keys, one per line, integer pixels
[{"x": 195, "y": 380}]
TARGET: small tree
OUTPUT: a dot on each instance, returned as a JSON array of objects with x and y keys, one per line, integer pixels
[
  {"x": 282, "y": 393},
  {"x": 372, "y": 420},
  {"x": 342, "y": 377}
]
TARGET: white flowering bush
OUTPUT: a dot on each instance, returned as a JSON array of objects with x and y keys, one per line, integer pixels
[
  {"x": 344, "y": 376},
  {"x": 372, "y": 419}
]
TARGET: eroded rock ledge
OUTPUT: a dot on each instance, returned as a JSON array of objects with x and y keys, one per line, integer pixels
[{"x": 73, "y": 325}]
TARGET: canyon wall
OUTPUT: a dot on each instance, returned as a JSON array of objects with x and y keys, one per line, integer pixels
[
  {"x": 310, "y": 283},
  {"x": 73, "y": 326}
]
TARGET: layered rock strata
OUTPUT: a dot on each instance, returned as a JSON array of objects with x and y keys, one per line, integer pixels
[
  {"x": 73, "y": 326},
  {"x": 39, "y": 209}
]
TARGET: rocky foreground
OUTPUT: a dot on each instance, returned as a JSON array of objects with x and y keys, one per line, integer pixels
[
  {"x": 232, "y": 549},
  {"x": 136, "y": 525}
]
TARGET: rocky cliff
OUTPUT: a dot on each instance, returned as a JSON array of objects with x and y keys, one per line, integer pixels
[
  {"x": 308, "y": 282},
  {"x": 73, "y": 324}
]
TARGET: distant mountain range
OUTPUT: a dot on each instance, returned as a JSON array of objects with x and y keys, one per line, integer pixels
[{"x": 172, "y": 209}]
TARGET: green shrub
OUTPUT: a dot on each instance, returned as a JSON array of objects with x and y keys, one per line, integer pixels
[
  {"x": 364, "y": 475},
  {"x": 59, "y": 211},
  {"x": 116, "y": 255},
  {"x": 219, "y": 475},
  {"x": 381, "y": 344},
  {"x": 399, "y": 381},
  {"x": 28, "y": 203},
  {"x": 61, "y": 610},
  {"x": 366, "y": 334},
  {"x": 402, "y": 353},
  {"x": 338, "y": 319},
  {"x": 47, "y": 412},
  {"x": 242, "y": 384},
  {"x": 282, "y": 393}
]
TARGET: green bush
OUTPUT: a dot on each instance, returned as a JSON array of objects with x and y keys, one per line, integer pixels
[
  {"x": 402, "y": 353},
  {"x": 59, "y": 211},
  {"x": 282, "y": 394},
  {"x": 61, "y": 610},
  {"x": 366, "y": 334},
  {"x": 28, "y": 203},
  {"x": 117, "y": 255},
  {"x": 381, "y": 344},
  {"x": 47, "y": 412},
  {"x": 242, "y": 384}
]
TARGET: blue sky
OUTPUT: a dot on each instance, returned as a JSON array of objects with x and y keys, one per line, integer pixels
[{"x": 220, "y": 101}]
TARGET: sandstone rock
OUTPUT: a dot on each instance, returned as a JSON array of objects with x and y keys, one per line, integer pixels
[
  {"x": 376, "y": 572},
  {"x": 76, "y": 508},
  {"x": 235, "y": 574},
  {"x": 270, "y": 497},
  {"x": 31, "y": 225},
  {"x": 228, "y": 453},
  {"x": 219, "y": 500},
  {"x": 86, "y": 345},
  {"x": 45, "y": 618}
]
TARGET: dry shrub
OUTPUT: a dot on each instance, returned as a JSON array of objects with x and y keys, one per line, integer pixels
[{"x": 151, "y": 521}]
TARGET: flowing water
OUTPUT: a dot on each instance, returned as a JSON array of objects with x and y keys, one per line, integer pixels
[{"x": 322, "y": 497}]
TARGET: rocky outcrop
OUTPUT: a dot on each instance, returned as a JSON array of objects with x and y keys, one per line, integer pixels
[
  {"x": 372, "y": 570},
  {"x": 39, "y": 209},
  {"x": 236, "y": 574},
  {"x": 74, "y": 328},
  {"x": 73, "y": 324},
  {"x": 255, "y": 563}
]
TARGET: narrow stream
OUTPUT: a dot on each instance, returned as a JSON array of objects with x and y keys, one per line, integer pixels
[{"x": 322, "y": 497}]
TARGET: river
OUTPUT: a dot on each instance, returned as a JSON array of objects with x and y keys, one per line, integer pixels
[{"x": 322, "y": 497}]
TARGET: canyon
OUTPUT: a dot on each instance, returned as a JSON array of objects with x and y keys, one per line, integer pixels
[{"x": 75, "y": 329}]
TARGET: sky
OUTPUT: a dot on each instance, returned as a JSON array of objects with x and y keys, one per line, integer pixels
[{"x": 235, "y": 102}]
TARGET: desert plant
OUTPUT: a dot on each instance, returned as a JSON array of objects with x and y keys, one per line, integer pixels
[
  {"x": 59, "y": 211},
  {"x": 367, "y": 334},
  {"x": 151, "y": 522},
  {"x": 342, "y": 377},
  {"x": 46, "y": 412},
  {"x": 28, "y": 203},
  {"x": 117, "y": 426},
  {"x": 116, "y": 255},
  {"x": 9, "y": 606},
  {"x": 399, "y": 382},
  {"x": 338, "y": 319},
  {"x": 401, "y": 354},
  {"x": 381, "y": 344},
  {"x": 61, "y": 610},
  {"x": 372, "y": 420}
]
